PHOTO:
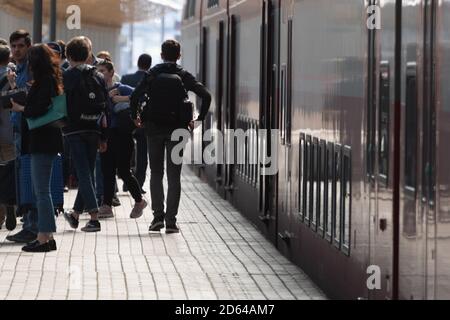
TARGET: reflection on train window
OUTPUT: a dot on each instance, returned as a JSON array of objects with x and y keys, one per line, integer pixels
[
  {"x": 213, "y": 3},
  {"x": 282, "y": 119},
  {"x": 330, "y": 192},
  {"x": 337, "y": 199},
  {"x": 321, "y": 187},
  {"x": 314, "y": 183},
  {"x": 189, "y": 9},
  {"x": 384, "y": 123},
  {"x": 307, "y": 179},
  {"x": 346, "y": 199},
  {"x": 411, "y": 128},
  {"x": 301, "y": 180}
]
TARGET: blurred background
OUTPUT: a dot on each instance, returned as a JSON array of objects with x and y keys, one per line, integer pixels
[{"x": 125, "y": 28}]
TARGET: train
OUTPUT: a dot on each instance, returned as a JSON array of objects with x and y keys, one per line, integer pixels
[{"x": 354, "y": 103}]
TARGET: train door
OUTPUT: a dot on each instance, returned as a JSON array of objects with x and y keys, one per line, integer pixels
[
  {"x": 220, "y": 86},
  {"x": 285, "y": 187},
  {"x": 269, "y": 109},
  {"x": 380, "y": 139},
  {"x": 417, "y": 214}
]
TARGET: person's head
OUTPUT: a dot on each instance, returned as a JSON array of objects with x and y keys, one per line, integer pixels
[
  {"x": 44, "y": 62},
  {"x": 62, "y": 45},
  {"x": 88, "y": 41},
  {"x": 20, "y": 42},
  {"x": 107, "y": 69},
  {"x": 145, "y": 62},
  {"x": 171, "y": 51},
  {"x": 5, "y": 54},
  {"x": 3, "y": 42},
  {"x": 77, "y": 50},
  {"x": 56, "y": 48},
  {"x": 105, "y": 55}
]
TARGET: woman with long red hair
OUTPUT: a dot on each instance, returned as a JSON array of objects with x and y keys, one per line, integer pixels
[{"x": 43, "y": 144}]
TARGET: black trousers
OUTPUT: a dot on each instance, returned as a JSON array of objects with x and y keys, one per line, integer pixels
[
  {"x": 141, "y": 156},
  {"x": 117, "y": 159},
  {"x": 158, "y": 145}
]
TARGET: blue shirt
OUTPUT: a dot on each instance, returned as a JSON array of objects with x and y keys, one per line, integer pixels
[{"x": 124, "y": 91}]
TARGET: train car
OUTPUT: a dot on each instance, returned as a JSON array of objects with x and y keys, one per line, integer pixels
[{"x": 350, "y": 98}]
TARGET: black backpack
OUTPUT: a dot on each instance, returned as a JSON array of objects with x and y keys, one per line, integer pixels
[
  {"x": 88, "y": 98},
  {"x": 168, "y": 102}
]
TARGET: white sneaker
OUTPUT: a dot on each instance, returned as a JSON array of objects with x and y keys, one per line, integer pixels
[
  {"x": 138, "y": 209},
  {"x": 105, "y": 212}
]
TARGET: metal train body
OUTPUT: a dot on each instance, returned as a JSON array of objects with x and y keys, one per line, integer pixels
[{"x": 363, "y": 183}]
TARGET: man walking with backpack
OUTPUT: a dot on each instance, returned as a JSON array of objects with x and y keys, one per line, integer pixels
[
  {"x": 166, "y": 86},
  {"x": 87, "y": 100}
]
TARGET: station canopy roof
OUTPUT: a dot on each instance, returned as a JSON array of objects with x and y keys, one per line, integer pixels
[{"x": 109, "y": 13}]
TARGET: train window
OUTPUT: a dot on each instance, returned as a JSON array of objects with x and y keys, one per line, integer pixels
[
  {"x": 314, "y": 183},
  {"x": 301, "y": 180},
  {"x": 337, "y": 199},
  {"x": 213, "y": 3},
  {"x": 330, "y": 191},
  {"x": 190, "y": 9},
  {"x": 321, "y": 187},
  {"x": 411, "y": 128},
  {"x": 346, "y": 198},
  {"x": 283, "y": 105},
  {"x": 384, "y": 120},
  {"x": 289, "y": 85},
  {"x": 371, "y": 103},
  {"x": 307, "y": 179}
]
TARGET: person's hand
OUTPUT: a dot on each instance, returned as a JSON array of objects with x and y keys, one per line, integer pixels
[
  {"x": 192, "y": 125},
  {"x": 16, "y": 107},
  {"x": 118, "y": 99},
  {"x": 113, "y": 93},
  {"x": 11, "y": 76},
  {"x": 103, "y": 147},
  {"x": 138, "y": 123}
]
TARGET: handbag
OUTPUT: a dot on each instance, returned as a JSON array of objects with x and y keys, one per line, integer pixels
[{"x": 55, "y": 117}]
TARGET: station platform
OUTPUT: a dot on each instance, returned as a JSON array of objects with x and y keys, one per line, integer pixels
[{"x": 219, "y": 255}]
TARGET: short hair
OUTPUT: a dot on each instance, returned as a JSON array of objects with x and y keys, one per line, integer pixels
[
  {"x": 171, "y": 50},
  {"x": 20, "y": 34},
  {"x": 78, "y": 49},
  {"x": 3, "y": 42},
  {"x": 107, "y": 64},
  {"x": 104, "y": 55},
  {"x": 145, "y": 61},
  {"x": 5, "y": 53}
]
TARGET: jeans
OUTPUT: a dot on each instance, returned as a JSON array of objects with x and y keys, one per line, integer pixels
[
  {"x": 117, "y": 158},
  {"x": 41, "y": 173},
  {"x": 141, "y": 156},
  {"x": 158, "y": 145},
  {"x": 83, "y": 148}
]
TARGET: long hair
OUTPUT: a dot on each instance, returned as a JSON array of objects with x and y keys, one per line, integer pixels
[{"x": 44, "y": 63}]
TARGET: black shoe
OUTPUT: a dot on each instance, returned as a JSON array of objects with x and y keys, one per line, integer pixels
[
  {"x": 156, "y": 226},
  {"x": 37, "y": 247},
  {"x": 116, "y": 202},
  {"x": 52, "y": 245},
  {"x": 92, "y": 226},
  {"x": 173, "y": 228},
  {"x": 74, "y": 223},
  {"x": 11, "y": 219},
  {"x": 23, "y": 236}
]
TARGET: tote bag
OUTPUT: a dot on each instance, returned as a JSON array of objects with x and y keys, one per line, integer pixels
[{"x": 55, "y": 117}]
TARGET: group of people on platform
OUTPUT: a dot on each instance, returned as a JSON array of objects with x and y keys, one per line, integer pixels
[{"x": 109, "y": 119}]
